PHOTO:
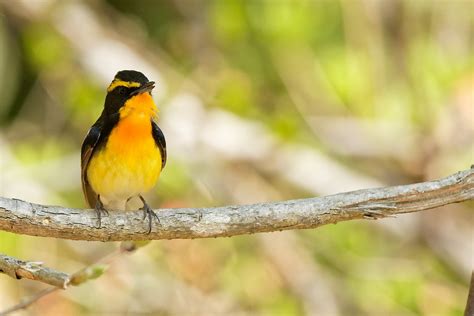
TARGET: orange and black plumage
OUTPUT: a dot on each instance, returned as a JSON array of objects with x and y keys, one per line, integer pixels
[{"x": 124, "y": 151}]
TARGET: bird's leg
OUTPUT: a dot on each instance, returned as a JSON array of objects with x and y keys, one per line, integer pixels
[
  {"x": 148, "y": 212},
  {"x": 99, "y": 209}
]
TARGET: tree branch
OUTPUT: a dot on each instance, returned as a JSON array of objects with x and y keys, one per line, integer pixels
[
  {"x": 28, "y": 301},
  {"x": 183, "y": 223},
  {"x": 19, "y": 269},
  {"x": 469, "y": 311},
  {"x": 59, "y": 280}
]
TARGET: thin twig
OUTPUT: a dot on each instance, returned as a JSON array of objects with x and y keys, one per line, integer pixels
[
  {"x": 183, "y": 223},
  {"x": 470, "y": 298},
  {"x": 29, "y": 301},
  {"x": 77, "y": 278}
]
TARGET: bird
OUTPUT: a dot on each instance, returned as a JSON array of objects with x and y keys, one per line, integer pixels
[{"x": 124, "y": 151}]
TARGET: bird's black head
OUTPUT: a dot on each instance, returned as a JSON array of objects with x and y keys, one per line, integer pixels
[
  {"x": 131, "y": 76},
  {"x": 126, "y": 84}
]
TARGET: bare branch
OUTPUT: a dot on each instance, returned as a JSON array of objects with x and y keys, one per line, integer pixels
[
  {"x": 9, "y": 265},
  {"x": 183, "y": 223},
  {"x": 470, "y": 298},
  {"x": 29, "y": 301},
  {"x": 19, "y": 269}
]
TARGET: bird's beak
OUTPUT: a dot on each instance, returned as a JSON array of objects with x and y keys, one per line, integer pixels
[{"x": 147, "y": 87}]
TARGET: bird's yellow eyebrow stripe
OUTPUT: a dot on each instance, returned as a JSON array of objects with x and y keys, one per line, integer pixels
[{"x": 116, "y": 83}]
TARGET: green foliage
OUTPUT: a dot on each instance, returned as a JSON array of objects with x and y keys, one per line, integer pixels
[
  {"x": 89, "y": 273},
  {"x": 44, "y": 48}
]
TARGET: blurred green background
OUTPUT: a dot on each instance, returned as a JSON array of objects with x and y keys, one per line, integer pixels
[{"x": 259, "y": 101}]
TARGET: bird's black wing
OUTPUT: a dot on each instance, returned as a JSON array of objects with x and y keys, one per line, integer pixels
[
  {"x": 160, "y": 142},
  {"x": 88, "y": 146}
]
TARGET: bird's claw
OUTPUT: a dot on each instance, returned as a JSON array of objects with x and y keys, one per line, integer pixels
[
  {"x": 148, "y": 212},
  {"x": 99, "y": 209}
]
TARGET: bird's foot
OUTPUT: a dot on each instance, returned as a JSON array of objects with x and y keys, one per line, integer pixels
[
  {"x": 99, "y": 209},
  {"x": 148, "y": 212}
]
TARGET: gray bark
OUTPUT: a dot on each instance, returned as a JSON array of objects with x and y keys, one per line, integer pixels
[
  {"x": 21, "y": 217},
  {"x": 19, "y": 269}
]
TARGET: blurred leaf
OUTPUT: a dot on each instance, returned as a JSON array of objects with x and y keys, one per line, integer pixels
[{"x": 89, "y": 273}]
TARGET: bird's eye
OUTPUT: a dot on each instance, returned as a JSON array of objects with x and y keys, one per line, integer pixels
[{"x": 121, "y": 89}]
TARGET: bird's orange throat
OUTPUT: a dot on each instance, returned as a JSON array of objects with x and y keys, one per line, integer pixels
[
  {"x": 134, "y": 126},
  {"x": 135, "y": 118},
  {"x": 141, "y": 104}
]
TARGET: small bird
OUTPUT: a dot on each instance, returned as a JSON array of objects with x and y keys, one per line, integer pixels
[{"x": 124, "y": 152}]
